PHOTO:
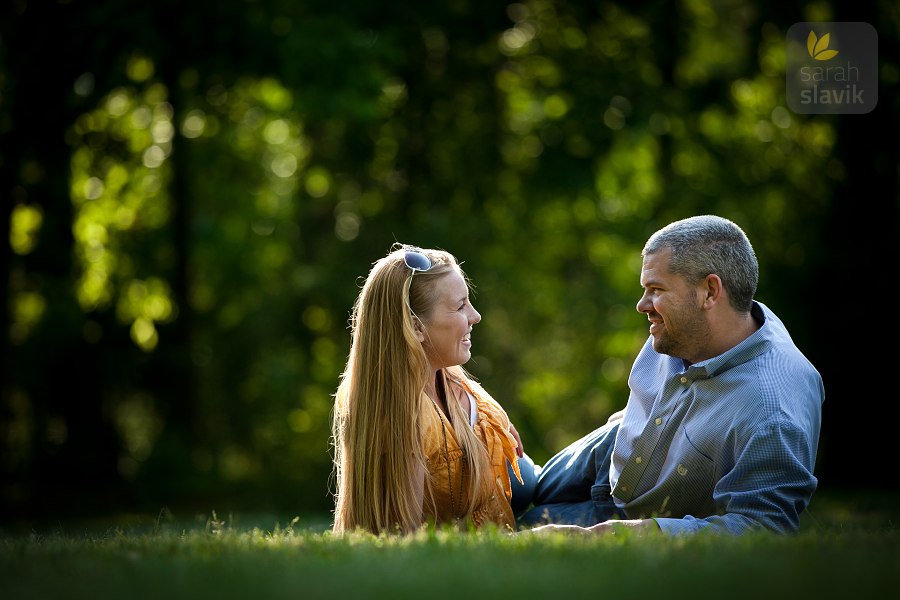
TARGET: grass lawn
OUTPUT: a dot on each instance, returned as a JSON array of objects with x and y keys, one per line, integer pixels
[{"x": 849, "y": 546}]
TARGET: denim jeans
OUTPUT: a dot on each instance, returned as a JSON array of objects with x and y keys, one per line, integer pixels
[
  {"x": 523, "y": 493},
  {"x": 573, "y": 487}
]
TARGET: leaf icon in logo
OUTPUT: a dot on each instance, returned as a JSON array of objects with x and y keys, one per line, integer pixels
[{"x": 818, "y": 47}]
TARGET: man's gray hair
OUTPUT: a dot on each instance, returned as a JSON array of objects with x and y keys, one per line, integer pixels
[{"x": 708, "y": 244}]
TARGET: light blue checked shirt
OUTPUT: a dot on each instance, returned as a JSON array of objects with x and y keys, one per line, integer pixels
[{"x": 728, "y": 443}]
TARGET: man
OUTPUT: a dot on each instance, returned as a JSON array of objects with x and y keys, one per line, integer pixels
[{"x": 722, "y": 424}]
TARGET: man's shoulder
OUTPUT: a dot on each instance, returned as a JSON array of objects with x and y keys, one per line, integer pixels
[{"x": 781, "y": 349}]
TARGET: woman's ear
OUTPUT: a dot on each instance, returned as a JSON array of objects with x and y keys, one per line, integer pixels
[{"x": 420, "y": 329}]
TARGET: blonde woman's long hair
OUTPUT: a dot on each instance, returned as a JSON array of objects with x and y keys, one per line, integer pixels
[{"x": 376, "y": 437}]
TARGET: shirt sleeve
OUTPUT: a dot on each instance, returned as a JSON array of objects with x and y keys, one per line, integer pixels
[{"x": 770, "y": 484}]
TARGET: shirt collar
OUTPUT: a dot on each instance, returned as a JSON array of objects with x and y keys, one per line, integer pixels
[{"x": 748, "y": 349}]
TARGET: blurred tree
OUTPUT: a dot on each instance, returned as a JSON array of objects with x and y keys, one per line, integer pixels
[{"x": 195, "y": 192}]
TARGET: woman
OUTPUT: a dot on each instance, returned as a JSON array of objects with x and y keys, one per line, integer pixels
[{"x": 416, "y": 439}]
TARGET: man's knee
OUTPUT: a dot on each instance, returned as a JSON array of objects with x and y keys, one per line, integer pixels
[
  {"x": 523, "y": 493},
  {"x": 570, "y": 475}
]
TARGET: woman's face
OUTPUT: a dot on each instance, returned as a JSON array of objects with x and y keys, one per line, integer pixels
[{"x": 447, "y": 329}]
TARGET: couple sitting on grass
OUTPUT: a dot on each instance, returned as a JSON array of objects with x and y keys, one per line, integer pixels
[{"x": 719, "y": 433}]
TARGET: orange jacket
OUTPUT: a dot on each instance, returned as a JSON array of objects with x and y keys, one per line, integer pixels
[{"x": 449, "y": 497}]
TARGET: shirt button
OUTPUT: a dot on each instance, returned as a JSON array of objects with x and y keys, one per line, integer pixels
[
  {"x": 638, "y": 460},
  {"x": 684, "y": 380},
  {"x": 624, "y": 488},
  {"x": 658, "y": 421}
]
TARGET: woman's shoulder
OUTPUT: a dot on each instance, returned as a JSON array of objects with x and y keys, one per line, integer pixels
[
  {"x": 485, "y": 404},
  {"x": 460, "y": 378}
]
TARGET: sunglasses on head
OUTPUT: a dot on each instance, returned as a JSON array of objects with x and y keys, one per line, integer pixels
[{"x": 417, "y": 261}]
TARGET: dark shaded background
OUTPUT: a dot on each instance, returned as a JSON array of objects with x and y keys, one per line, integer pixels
[{"x": 194, "y": 191}]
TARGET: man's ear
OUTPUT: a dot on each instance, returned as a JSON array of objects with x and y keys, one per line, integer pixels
[
  {"x": 712, "y": 290},
  {"x": 420, "y": 329}
]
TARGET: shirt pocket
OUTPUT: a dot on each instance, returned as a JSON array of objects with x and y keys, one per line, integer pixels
[{"x": 687, "y": 480}]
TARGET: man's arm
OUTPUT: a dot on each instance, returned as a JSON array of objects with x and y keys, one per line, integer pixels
[{"x": 769, "y": 486}]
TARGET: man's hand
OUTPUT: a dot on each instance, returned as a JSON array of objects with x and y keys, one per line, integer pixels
[
  {"x": 616, "y": 416},
  {"x": 520, "y": 452},
  {"x": 633, "y": 526}
]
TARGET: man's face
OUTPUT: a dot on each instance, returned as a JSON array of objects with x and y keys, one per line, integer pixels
[{"x": 674, "y": 308}]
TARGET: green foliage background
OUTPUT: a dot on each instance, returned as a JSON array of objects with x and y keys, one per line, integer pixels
[{"x": 194, "y": 192}]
